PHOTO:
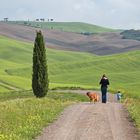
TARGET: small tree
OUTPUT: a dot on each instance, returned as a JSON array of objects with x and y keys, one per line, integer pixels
[{"x": 40, "y": 74}]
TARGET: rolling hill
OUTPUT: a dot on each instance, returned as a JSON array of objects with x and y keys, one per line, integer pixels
[
  {"x": 100, "y": 44},
  {"x": 77, "y": 27},
  {"x": 68, "y": 69}
]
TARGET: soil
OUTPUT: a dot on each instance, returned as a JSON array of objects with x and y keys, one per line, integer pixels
[
  {"x": 100, "y": 44},
  {"x": 89, "y": 121}
]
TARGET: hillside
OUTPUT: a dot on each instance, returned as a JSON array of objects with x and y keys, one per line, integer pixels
[
  {"x": 23, "y": 116},
  {"x": 77, "y": 27},
  {"x": 100, "y": 44},
  {"x": 67, "y": 69}
]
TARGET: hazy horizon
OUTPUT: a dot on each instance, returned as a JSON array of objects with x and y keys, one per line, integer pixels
[{"x": 116, "y": 14}]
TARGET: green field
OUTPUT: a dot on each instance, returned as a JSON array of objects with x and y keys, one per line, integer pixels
[
  {"x": 68, "y": 69},
  {"x": 78, "y": 27},
  {"x": 24, "y": 119}
]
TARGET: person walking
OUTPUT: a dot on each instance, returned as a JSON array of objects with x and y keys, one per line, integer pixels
[{"x": 104, "y": 82}]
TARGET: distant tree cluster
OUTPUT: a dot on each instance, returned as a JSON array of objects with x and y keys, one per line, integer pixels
[
  {"x": 131, "y": 34},
  {"x": 5, "y": 19},
  {"x": 43, "y": 19},
  {"x": 37, "y": 20},
  {"x": 87, "y": 33}
]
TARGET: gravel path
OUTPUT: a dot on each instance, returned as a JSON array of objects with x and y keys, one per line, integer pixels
[{"x": 87, "y": 121}]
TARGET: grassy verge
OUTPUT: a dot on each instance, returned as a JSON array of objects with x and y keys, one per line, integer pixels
[
  {"x": 25, "y": 118},
  {"x": 133, "y": 106}
]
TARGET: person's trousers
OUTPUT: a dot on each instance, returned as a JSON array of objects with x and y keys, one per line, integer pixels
[{"x": 104, "y": 94}]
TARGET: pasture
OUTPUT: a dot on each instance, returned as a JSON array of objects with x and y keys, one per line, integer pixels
[
  {"x": 67, "y": 69},
  {"x": 77, "y": 27}
]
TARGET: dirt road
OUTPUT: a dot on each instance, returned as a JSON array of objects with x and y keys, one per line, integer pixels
[{"x": 86, "y": 121}]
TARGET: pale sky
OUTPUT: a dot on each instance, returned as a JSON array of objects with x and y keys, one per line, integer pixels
[{"x": 122, "y": 14}]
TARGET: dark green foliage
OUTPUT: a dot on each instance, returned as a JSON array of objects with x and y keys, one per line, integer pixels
[
  {"x": 87, "y": 33},
  {"x": 131, "y": 34},
  {"x": 40, "y": 74}
]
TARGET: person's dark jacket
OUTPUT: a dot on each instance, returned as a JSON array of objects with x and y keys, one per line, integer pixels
[{"x": 104, "y": 82}]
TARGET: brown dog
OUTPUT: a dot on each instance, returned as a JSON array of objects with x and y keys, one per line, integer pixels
[{"x": 93, "y": 96}]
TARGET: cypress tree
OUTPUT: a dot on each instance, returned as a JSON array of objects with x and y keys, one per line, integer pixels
[{"x": 40, "y": 74}]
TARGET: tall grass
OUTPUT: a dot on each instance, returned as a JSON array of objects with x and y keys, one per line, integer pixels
[
  {"x": 133, "y": 106},
  {"x": 23, "y": 119}
]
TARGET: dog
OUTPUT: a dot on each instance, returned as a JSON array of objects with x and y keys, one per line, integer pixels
[{"x": 93, "y": 96}]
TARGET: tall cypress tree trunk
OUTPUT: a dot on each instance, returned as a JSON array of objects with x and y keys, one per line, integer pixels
[{"x": 40, "y": 73}]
